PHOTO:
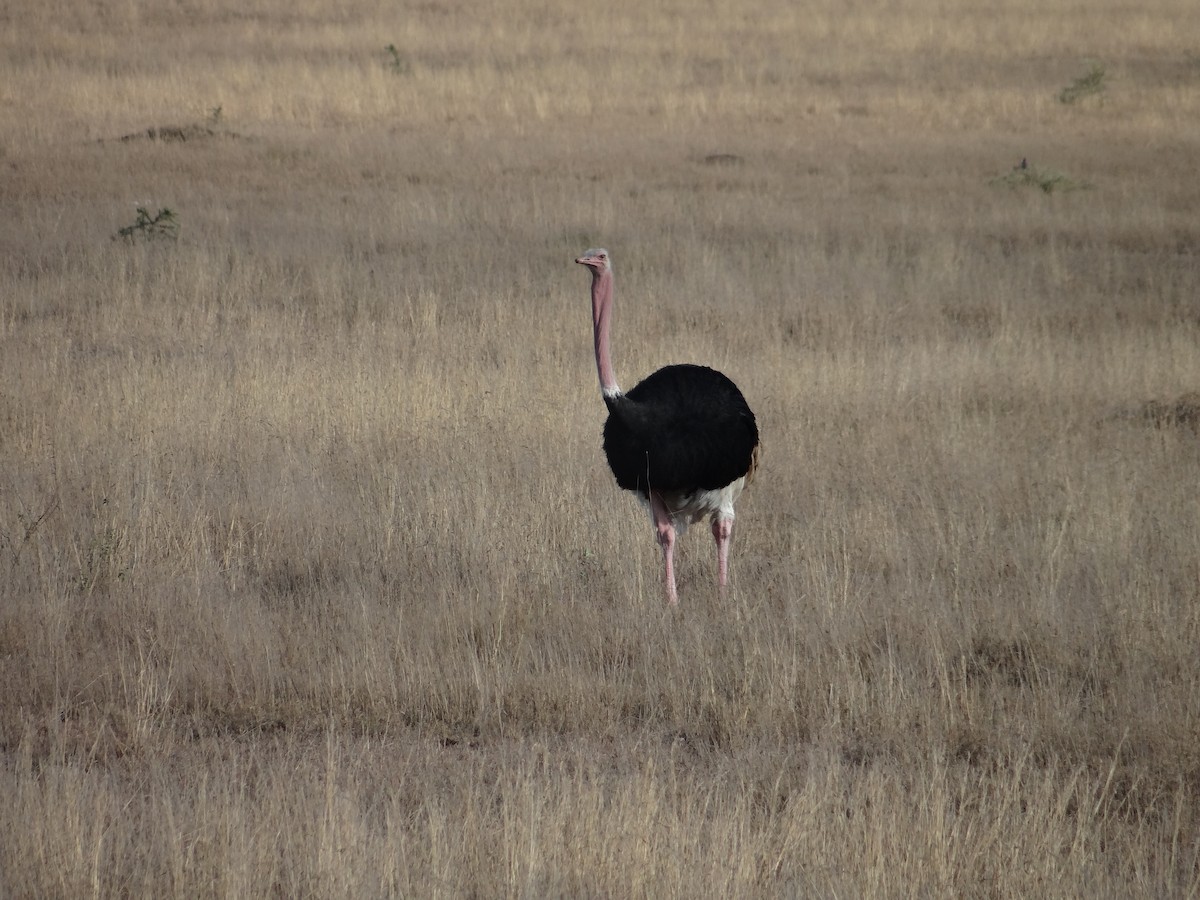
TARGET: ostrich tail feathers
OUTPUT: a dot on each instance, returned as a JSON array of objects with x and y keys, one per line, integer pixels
[{"x": 754, "y": 460}]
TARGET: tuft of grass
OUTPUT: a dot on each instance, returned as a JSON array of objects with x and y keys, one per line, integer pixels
[
  {"x": 1091, "y": 83},
  {"x": 398, "y": 63},
  {"x": 164, "y": 224},
  {"x": 1047, "y": 181}
]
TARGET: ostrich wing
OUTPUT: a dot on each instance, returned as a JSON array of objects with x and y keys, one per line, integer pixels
[{"x": 683, "y": 428}]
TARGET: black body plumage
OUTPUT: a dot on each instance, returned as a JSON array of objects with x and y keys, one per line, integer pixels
[{"x": 683, "y": 428}]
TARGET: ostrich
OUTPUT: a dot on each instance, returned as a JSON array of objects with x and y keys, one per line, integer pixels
[{"x": 683, "y": 439}]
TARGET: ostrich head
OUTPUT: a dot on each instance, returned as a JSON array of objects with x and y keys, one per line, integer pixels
[{"x": 597, "y": 260}]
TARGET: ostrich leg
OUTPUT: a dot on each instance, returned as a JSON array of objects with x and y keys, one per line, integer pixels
[
  {"x": 722, "y": 530},
  {"x": 666, "y": 539}
]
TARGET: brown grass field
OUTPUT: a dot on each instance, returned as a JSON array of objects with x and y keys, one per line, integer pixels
[{"x": 313, "y": 579}]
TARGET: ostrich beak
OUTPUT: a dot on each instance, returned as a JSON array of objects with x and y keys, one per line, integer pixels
[{"x": 596, "y": 261}]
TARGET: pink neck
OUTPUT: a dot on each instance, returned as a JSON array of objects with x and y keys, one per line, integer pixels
[{"x": 602, "y": 294}]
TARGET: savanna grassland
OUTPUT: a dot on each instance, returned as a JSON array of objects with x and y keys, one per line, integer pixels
[{"x": 313, "y": 581}]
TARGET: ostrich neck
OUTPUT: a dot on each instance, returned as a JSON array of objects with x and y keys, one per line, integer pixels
[{"x": 602, "y": 296}]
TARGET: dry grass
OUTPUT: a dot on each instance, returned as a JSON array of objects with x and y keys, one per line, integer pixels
[{"x": 313, "y": 578}]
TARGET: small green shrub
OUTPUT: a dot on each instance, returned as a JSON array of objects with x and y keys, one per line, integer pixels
[
  {"x": 1046, "y": 180},
  {"x": 398, "y": 63},
  {"x": 163, "y": 224},
  {"x": 1087, "y": 85}
]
